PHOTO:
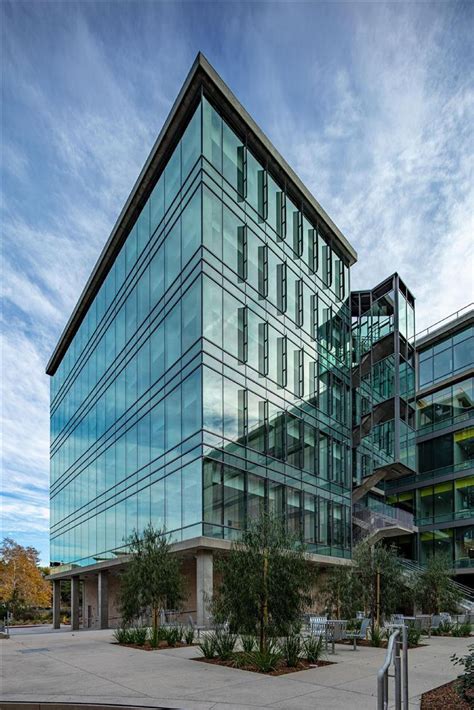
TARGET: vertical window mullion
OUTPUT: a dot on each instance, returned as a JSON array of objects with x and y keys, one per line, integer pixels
[
  {"x": 342, "y": 286},
  {"x": 282, "y": 365},
  {"x": 283, "y": 215},
  {"x": 300, "y": 372},
  {"x": 315, "y": 250},
  {"x": 329, "y": 266},
  {"x": 281, "y": 287},
  {"x": 265, "y": 195},
  {"x": 265, "y": 356},
  {"x": 265, "y": 426},
  {"x": 243, "y": 334},
  {"x": 263, "y": 348},
  {"x": 243, "y": 414},
  {"x": 244, "y": 172},
  {"x": 299, "y": 302},
  {"x": 300, "y": 234},
  {"x": 263, "y": 270},
  {"x": 242, "y": 252}
]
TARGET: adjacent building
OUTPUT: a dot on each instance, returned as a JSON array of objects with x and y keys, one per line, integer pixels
[{"x": 440, "y": 495}]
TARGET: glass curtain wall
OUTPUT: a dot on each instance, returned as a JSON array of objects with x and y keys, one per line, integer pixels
[
  {"x": 126, "y": 404},
  {"x": 276, "y": 394},
  {"x": 210, "y": 375}
]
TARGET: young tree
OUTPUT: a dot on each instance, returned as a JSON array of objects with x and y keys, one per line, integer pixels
[
  {"x": 434, "y": 590},
  {"x": 341, "y": 593},
  {"x": 22, "y": 583},
  {"x": 152, "y": 578},
  {"x": 374, "y": 584},
  {"x": 381, "y": 585},
  {"x": 266, "y": 581}
]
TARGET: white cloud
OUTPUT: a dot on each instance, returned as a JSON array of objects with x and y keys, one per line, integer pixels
[{"x": 401, "y": 186}]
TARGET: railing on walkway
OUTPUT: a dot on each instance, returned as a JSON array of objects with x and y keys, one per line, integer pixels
[
  {"x": 467, "y": 592},
  {"x": 444, "y": 321},
  {"x": 397, "y": 643},
  {"x": 375, "y": 519}
]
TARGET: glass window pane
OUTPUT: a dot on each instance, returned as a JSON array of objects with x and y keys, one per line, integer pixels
[
  {"x": 191, "y": 315},
  {"x": 173, "y": 336},
  {"x": 191, "y": 404},
  {"x": 192, "y": 493},
  {"x": 173, "y": 177},
  {"x": 191, "y": 144},
  {"x": 191, "y": 227},
  {"x": 173, "y": 419},
  {"x": 233, "y": 159},
  {"x": 173, "y": 501},
  {"x": 464, "y": 354},
  {"x": 234, "y": 499},
  {"x": 173, "y": 254},
  {"x": 212, "y": 405},
  {"x": 212, "y": 223},
  {"x": 157, "y": 204},
  {"x": 442, "y": 363},
  {"x": 213, "y": 493},
  {"x": 212, "y": 135},
  {"x": 212, "y": 311}
]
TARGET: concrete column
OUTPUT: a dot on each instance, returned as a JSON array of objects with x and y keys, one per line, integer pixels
[
  {"x": 103, "y": 599},
  {"x": 56, "y": 603},
  {"x": 204, "y": 586},
  {"x": 75, "y": 603}
]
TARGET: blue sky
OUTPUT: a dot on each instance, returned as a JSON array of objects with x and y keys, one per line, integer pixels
[{"x": 371, "y": 104}]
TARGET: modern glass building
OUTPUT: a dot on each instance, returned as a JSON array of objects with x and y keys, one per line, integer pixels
[
  {"x": 441, "y": 494},
  {"x": 206, "y": 369}
]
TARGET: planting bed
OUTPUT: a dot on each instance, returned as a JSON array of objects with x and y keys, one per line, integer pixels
[
  {"x": 148, "y": 647},
  {"x": 443, "y": 698},
  {"x": 281, "y": 668}
]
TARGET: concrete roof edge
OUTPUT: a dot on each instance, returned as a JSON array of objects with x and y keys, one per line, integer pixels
[{"x": 192, "y": 545}]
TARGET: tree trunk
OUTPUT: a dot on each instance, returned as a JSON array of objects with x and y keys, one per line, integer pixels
[{"x": 264, "y": 605}]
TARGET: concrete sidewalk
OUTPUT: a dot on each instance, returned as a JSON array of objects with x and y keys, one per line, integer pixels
[{"x": 84, "y": 666}]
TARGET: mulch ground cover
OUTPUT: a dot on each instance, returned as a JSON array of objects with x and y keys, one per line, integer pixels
[
  {"x": 281, "y": 668},
  {"x": 443, "y": 698},
  {"x": 148, "y": 647},
  {"x": 383, "y": 644}
]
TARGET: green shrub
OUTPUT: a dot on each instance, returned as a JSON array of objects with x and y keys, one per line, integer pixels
[
  {"x": 413, "y": 636},
  {"x": 375, "y": 637},
  {"x": 465, "y": 682},
  {"x": 463, "y": 629},
  {"x": 291, "y": 648},
  {"x": 123, "y": 635},
  {"x": 445, "y": 628},
  {"x": 208, "y": 645},
  {"x": 172, "y": 635},
  {"x": 188, "y": 635},
  {"x": 138, "y": 635},
  {"x": 265, "y": 661},
  {"x": 248, "y": 643},
  {"x": 314, "y": 648},
  {"x": 157, "y": 635},
  {"x": 225, "y": 644}
]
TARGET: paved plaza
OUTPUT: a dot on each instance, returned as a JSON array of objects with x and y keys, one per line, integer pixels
[{"x": 43, "y": 665}]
